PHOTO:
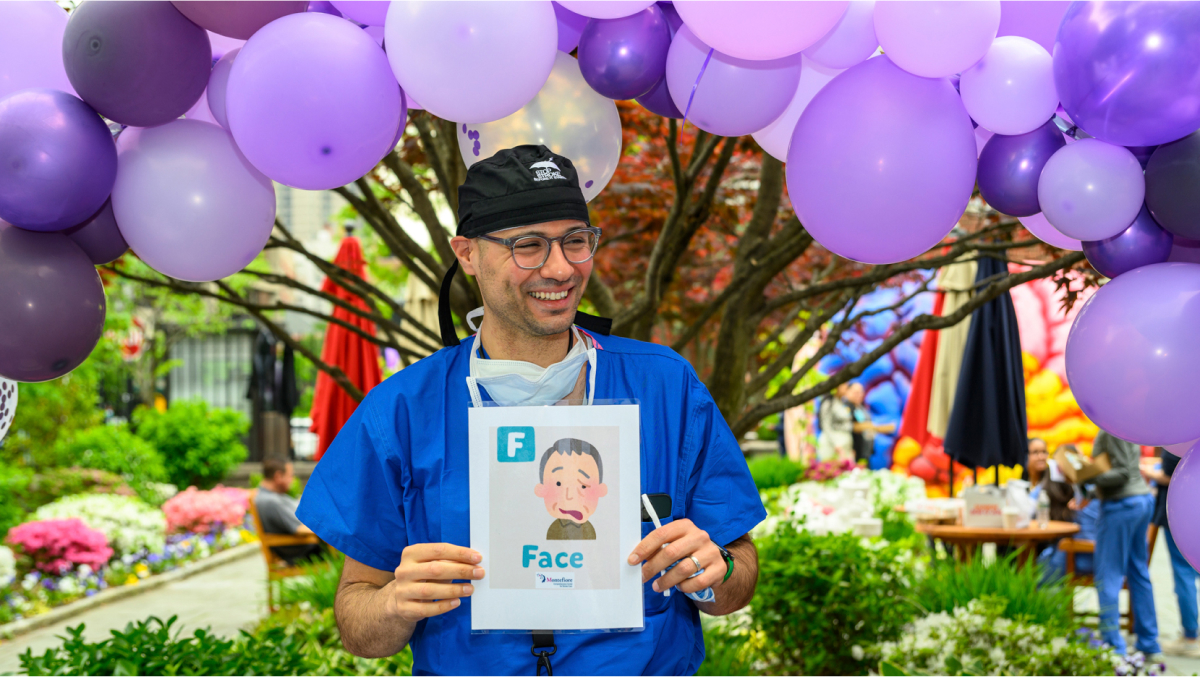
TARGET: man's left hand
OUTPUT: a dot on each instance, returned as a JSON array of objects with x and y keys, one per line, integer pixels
[{"x": 681, "y": 538}]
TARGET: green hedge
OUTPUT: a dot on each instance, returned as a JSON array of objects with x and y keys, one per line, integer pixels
[
  {"x": 199, "y": 446},
  {"x": 771, "y": 471}
]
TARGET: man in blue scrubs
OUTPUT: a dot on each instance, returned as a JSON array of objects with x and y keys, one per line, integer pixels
[{"x": 392, "y": 491}]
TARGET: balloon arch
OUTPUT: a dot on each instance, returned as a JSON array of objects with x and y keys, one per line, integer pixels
[{"x": 1080, "y": 119}]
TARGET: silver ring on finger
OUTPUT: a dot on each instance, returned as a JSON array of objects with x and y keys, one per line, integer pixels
[{"x": 697, "y": 563}]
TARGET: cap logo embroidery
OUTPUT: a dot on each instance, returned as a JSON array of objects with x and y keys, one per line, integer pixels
[{"x": 546, "y": 170}]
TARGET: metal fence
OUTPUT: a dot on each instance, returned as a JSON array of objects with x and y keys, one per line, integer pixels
[{"x": 213, "y": 368}]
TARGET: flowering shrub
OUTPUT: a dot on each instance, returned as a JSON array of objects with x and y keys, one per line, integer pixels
[
  {"x": 55, "y": 546},
  {"x": 129, "y": 524},
  {"x": 821, "y": 471},
  {"x": 201, "y": 511},
  {"x": 8, "y": 566},
  {"x": 978, "y": 640}
]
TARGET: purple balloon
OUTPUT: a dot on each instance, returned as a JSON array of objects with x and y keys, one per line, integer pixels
[
  {"x": 99, "y": 236},
  {"x": 936, "y": 39},
  {"x": 734, "y": 96},
  {"x": 188, "y": 203},
  {"x": 1132, "y": 355},
  {"x": 218, "y": 83},
  {"x": 237, "y": 18},
  {"x": 281, "y": 112},
  {"x": 624, "y": 58},
  {"x": 57, "y": 160},
  {"x": 877, "y": 140},
  {"x": 1180, "y": 449},
  {"x": 1143, "y": 243},
  {"x": 1183, "y": 504},
  {"x": 1042, "y": 230},
  {"x": 1185, "y": 250},
  {"x": 658, "y": 101},
  {"x": 1091, "y": 190},
  {"x": 1142, "y": 153},
  {"x": 1129, "y": 72},
  {"x": 570, "y": 27},
  {"x": 1037, "y": 21},
  {"x": 137, "y": 63},
  {"x": 324, "y": 7},
  {"x": 51, "y": 305},
  {"x": 760, "y": 29},
  {"x": 1011, "y": 89},
  {"x": 31, "y": 47},
  {"x": 671, "y": 14},
  {"x": 367, "y": 12},
  {"x": 1009, "y": 168}
]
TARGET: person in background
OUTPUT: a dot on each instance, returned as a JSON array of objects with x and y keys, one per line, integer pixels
[
  {"x": 1126, "y": 507},
  {"x": 1045, "y": 476},
  {"x": 864, "y": 430},
  {"x": 1185, "y": 575},
  {"x": 837, "y": 427},
  {"x": 277, "y": 510}
]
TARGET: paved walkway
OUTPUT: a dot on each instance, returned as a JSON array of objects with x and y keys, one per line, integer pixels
[{"x": 227, "y": 599}]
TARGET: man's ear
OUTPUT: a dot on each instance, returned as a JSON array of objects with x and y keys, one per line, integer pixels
[
  {"x": 463, "y": 251},
  {"x": 603, "y": 489},
  {"x": 540, "y": 491}
]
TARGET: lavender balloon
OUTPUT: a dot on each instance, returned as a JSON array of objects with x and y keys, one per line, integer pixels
[
  {"x": 776, "y": 137},
  {"x": 1143, "y": 243},
  {"x": 570, "y": 27},
  {"x": 51, "y": 307},
  {"x": 57, "y": 160},
  {"x": 877, "y": 140},
  {"x": 851, "y": 41},
  {"x": 1129, "y": 72},
  {"x": 624, "y": 58},
  {"x": 1011, "y": 89},
  {"x": 1180, "y": 449},
  {"x": 1037, "y": 21},
  {"x": 237, "y": 18},
  {"x": 188, "y": 203},
  {"x": 472, "y": 61},
  {"x": 99, "y": 237},
  {"x": 1183, "y": 504},
  {"x": 734, "y": 96},
  {"x": 282, "y": 116},
  {"x": 31, "y": 36},
  {"x": 605, "y": 9},
  {"x": 1091, "y": 190},
  {"x": 760, "y": 30},
  {"x": 936, "y": 39},
  {"x": 368, "y": 12},
  {"x": 218, "y": 84},
  {"x": 1009, "y": 168},
  {"x": 136, "y": 63},
  {"x": 1132, "y": 355},
  {"x": 1042, "y": 230}
]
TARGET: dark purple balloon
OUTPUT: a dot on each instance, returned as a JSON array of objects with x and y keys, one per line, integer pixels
[
  {"x": 51, "y": 305},
  {"x": 658, "y": 101},
  {"x": 323, "y": 6},
  {"x": 570, "y": 26},
  {"x": 1129, "y": 72},
  {"x": 1009, "y": 168},
  {"x": 1143, "y": 243},
  {"x": 238, "y": 19},
  {"x": 671, "y": 15},
  {"x": 1142, "y": 153},
  {"x": 1173, "y": 186},
  {"x": 138, "y": 63},
  {"x": 99, "y": 236},
  {"x": 57, "y": 160},
  {"x": 624, "y": 58},
  {"x": 1185, "y": 251}
]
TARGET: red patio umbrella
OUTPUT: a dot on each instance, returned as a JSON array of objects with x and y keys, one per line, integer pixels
[{"x": 353, "y": 354}]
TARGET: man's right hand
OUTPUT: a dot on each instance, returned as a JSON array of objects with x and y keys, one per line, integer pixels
[{"x": 423, "y": 586}]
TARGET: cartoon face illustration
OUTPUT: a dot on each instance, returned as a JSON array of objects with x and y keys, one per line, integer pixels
[{"x": 572, "y": 485}]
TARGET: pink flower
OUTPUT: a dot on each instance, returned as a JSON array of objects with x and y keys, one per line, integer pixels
[
  {"x": 197, "y": 511},
  {"x": 58, "y": 545}
]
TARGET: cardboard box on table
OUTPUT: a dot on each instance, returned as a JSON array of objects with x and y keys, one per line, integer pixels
[
  {"x": 1078, "y": 468},
  {"x": 983, "y": 507}
]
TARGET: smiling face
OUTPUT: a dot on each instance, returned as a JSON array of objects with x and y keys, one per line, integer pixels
[
  {"x": 571, "y": 486},
  {"x": 539, "y": 302}
]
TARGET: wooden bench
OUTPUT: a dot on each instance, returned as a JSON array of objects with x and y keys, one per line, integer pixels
[{"x": 277, "y": 567}]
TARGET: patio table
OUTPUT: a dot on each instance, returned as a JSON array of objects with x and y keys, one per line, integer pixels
[{"x": 967, "y": 539}]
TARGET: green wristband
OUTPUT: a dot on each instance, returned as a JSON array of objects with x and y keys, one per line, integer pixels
[{"x": 725, "y": 555}]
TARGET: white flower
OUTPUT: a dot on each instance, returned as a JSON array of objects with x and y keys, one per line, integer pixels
[
  {"x": 8, "y": 566},
  {"x": 857, "y": 652},
  {"x": 129, "y": 524}
]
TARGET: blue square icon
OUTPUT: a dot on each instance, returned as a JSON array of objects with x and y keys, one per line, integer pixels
[{"x": 515, "y": 444}]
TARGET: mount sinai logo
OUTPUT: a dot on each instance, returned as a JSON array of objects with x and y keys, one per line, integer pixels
[{"x": 546, "y": 170}]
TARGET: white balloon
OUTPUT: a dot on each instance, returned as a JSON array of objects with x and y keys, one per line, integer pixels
[
  {"x": 8, "y": 405},
  {"x": 1011, "y": 90},
  {"x": 851, "y": 41},
  {"x": 776, "y": 137},
  {"x": 568, "y": 117},
  {"x": 606, "y": 9}
]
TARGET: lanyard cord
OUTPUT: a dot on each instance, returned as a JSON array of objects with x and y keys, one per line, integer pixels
[{"x": 541, "y": 642}]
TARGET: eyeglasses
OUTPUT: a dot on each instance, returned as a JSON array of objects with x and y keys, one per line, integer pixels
[{"x": 531, "y": 252}]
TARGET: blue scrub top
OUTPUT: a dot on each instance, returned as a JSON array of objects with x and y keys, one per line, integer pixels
[{"x": 397, "y": 475}]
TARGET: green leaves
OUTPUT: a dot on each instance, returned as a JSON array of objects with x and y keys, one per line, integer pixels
[{"x": 199, "y": 445}]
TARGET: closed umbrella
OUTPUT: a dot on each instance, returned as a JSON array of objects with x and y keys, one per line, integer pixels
[
  {"x": 353, "y": 354},
  {"x": 987, "y": 423}
]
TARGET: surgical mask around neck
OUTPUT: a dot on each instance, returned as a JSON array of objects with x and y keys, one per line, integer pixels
[{"x": 518, "y": 383}]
